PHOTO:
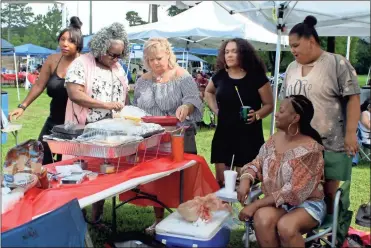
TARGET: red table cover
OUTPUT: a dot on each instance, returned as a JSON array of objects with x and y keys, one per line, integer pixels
[{"x": 198, "y": 181}]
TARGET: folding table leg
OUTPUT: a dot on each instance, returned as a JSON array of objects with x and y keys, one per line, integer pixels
[
  {"x": 114, "y": 227},
  {"x": 181, "y": 183}
]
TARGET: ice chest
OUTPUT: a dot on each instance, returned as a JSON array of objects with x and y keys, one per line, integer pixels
[{"x": 174, "y": 231}]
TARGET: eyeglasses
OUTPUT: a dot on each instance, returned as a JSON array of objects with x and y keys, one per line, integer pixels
[{"x": 114, "y": 56}]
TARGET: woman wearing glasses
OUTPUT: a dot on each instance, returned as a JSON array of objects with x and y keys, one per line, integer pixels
[{"x": 97, "y": 84}]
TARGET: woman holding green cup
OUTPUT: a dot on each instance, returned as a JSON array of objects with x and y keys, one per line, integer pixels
[{"x": 241, "y": 96}]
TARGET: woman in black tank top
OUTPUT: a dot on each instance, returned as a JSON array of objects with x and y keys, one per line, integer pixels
[{"x": 52, "y": 78}]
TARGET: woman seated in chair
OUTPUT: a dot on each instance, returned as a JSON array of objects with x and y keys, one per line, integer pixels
[
  {"x": 364, "y": 124},
  {"x": 290, "y": 166}
]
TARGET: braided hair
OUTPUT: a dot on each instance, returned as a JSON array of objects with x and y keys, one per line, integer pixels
[{"x": 304, "y": 107}]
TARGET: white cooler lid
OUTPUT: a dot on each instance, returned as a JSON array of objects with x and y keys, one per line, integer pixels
[{"x": 175, "y": 225}]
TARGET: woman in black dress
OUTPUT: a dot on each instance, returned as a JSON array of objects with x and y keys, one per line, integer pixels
[
  {"x": 238, "y": 66},
  {"x": 51, "y": 77}
]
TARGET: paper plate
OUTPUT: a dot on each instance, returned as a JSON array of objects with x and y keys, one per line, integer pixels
[{"x": 24, "y": 179}]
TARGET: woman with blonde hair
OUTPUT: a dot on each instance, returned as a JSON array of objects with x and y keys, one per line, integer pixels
[{"x": 168, "y": 90}]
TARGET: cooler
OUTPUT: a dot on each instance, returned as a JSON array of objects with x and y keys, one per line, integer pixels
[{"x": 174, "y": 231}]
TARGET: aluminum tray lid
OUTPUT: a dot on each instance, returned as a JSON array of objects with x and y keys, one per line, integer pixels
[
  {"x": 175, "y": 225},
  {"x": 73, "y": 130}
]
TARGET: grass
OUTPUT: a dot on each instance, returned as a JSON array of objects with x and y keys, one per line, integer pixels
[{"x": 137, "y": 218}]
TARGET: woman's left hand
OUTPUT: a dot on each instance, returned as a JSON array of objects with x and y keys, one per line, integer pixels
[
  {"x": 251, "y": 116},
  {"x": 182, "y": 112},
  {"x": 248, "y": 212}
]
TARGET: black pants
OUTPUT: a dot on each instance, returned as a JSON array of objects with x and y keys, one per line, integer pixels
[{"x": 46, "y": 130}]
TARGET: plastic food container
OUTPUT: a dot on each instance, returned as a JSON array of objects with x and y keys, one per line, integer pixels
[
  {"x": 92, "y": 176},
  {"x": 161, "y": 120}
]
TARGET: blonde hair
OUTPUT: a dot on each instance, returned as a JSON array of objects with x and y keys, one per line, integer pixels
[{"x": 154, "y": 44}]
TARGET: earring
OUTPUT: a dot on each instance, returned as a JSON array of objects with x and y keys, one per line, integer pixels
[{"x": 288, "y": 130}]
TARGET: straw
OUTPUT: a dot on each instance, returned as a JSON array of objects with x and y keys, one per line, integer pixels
[
  {"x": 232, "y": 162},
  {"x": 239, "y": 95}
]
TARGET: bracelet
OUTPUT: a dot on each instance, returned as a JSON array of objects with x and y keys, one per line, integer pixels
[
  {"x": 253, "y": 167},
  {"x": 248, "y": 175},
  {"x": 22, "y": 107}
]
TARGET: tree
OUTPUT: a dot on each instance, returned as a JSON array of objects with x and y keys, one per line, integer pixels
[
  {"x": 174, "y": 10},
  {"x": 134, "y": 19},
  {"x": 363, "y": 57},
  {"x": 16, "y": 16}
]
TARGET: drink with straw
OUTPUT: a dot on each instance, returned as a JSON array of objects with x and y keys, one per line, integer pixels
[
  {"x": 230, "y": 177},
  {"x": 244, "y": 110}
]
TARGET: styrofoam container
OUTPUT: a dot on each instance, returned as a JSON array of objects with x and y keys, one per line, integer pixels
[{"x": 174, "y": 231}]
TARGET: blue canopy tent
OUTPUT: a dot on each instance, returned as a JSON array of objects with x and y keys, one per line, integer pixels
[
  {"x": 6, "y": 46},
  {"x": 27, "y": 50},
  {"x": 190, "y": 57},
  {"x": 31, "y": 50}
]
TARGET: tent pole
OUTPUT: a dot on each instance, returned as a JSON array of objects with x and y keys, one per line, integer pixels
[
  {"x": 16, "y": 75},
  {"x": 276, "y": 75},
  {"x": 348, "y": 48},
  {"x": 183, "y": 64},
  {"x": 368, "y": 75},
  {"x": 127, "y": 69},
  {"x": 187, "y": 62}
]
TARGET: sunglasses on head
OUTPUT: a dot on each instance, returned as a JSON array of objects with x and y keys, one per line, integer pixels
[{"x": 114, "y": 56}]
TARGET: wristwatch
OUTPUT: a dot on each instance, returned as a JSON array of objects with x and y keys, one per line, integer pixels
[
  {"x": 257, "y": 116},
  {"x": 21, "y": 106}
]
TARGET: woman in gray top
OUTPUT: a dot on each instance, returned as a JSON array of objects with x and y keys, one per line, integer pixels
[{"x": 168, "y": 90}]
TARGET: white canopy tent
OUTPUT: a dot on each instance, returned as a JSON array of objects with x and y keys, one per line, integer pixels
[
  {"x": 205, "y": 25},
  {"x": 338, "y": 18}
]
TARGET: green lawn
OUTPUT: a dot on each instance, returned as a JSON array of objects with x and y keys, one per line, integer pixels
[{"x": 137, "y": 218}]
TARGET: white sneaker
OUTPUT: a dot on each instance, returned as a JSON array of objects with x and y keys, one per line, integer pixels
[{"x": 252, "y": 236}]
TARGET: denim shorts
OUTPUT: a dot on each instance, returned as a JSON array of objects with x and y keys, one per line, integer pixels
[{"x": 316, "y": 209}]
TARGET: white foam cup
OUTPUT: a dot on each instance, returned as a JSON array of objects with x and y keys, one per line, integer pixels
[{"x": 230, "y": 178}]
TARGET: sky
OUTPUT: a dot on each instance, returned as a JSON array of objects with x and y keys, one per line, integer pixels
[{"x": 104, "y": 12}]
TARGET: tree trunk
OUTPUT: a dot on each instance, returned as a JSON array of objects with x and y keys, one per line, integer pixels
[
  {"x": 331, "y": 44},
  {"x": 272, "y": 60},
  {"x": 154, "y": 13},
  {"x": 9, "y": 23}
]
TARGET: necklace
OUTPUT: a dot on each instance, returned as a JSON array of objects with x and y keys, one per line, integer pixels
[{"x": 158, "y": 78}]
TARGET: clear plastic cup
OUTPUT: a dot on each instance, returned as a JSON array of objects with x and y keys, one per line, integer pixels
[{"x": 230, "y": 178}]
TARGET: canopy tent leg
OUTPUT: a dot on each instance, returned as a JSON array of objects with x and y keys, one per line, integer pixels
[
  {"x": 187, "y": 61},
  {"x": 127, "y": 69},
  {"x": 16, "y": 75},
  {"x": 276, "y": 75},
  {"x": 348, "y": 48}
]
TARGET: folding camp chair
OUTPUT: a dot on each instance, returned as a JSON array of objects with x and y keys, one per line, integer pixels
[
  {"x": 364, "y": 149},
  {"x": 328, "y": 227},
  {"x": 7, "y": 127},
  {"x": 63, "y": 227}
]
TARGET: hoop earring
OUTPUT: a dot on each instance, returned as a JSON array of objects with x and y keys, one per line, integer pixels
[{"x": 288, "y": 130}]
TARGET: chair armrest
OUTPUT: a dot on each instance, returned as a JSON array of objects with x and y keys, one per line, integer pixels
[{"x": 254, "y": 193}]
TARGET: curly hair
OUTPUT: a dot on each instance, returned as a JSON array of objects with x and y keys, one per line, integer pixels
[
  {"x": 247, "y": 56},
  {"x": 153, "y": 45},
  {"x": 103, "y": 39}
]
